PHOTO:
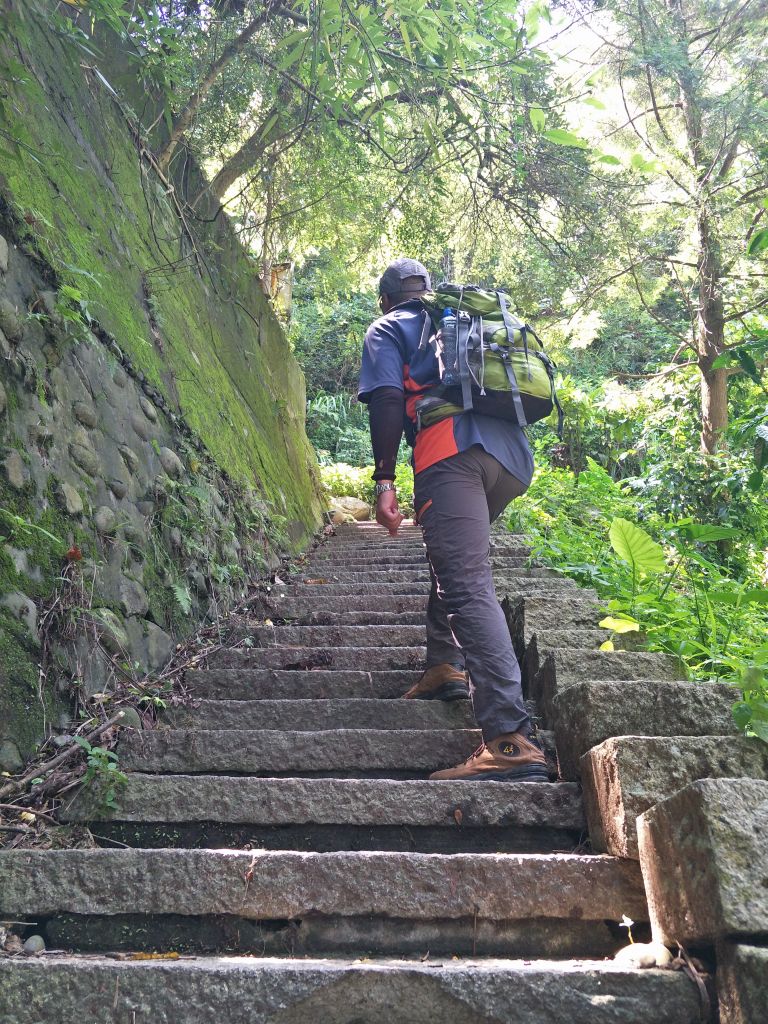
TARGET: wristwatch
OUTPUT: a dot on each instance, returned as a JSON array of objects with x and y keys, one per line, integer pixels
[{"x": 381, "y": 488}]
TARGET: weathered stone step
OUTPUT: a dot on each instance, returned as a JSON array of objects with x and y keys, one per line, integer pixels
[
  {"x": 319, "y": 617},
  {"x": 282, "y": 991},
  {"x": 288, "y": 885},
  {"x": 626, "y": 775},
  {"x": 361, "y": 563},
  {"x": 504, "y": 585},
  {"x": 373, "y": 635},
  {"x": 313, "y": 714},
  {"x": 529, "y": 615},
  {"x": 306, "y": 657},
  {"x": 562, "y": 668},
  {"x": 281, "y": 684},
  {"x": 343, "y": 753},
  {"x": 366, "y": 752},
  {"x": 415, "y": 575},
  {"x": 591, "y": 711},
  {"x": 353, "y": 802},
  {"x": 294, "y": 607}
]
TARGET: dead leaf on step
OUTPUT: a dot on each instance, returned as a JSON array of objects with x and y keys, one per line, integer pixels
[
  {"x": 458, "y": 816},
  {"x": 154, "y": 956},
  {"x": 316, "y": 581}
]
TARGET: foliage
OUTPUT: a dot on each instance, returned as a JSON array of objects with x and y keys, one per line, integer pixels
[
  {"x": 667, "y": 577},
  {"x": 341, "y": 480},
  {"x": 102, "y": 774}
]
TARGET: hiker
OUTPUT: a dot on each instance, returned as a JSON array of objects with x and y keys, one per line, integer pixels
[{"x": 467, "y": 468}]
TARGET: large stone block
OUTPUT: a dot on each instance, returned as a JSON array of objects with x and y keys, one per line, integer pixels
[
  {"x": 626, "y": 775},
  {"x": 742, "y": 983},
  {"x": 265, "y": 990},
  {"x": 704, "y": 858},
  {"x": 279, "y": 885},
  {"x": 564, "y": 667},
  {"x": 588, "y": 712}
]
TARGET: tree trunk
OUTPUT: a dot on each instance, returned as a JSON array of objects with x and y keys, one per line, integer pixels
[
  {"x": 247, "y": 157},
  {"x": 710, "y": 337},
  {"x": 185, "y": 118}
]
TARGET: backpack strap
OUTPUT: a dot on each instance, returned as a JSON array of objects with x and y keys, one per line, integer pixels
[{"x": 426, "y": 330}]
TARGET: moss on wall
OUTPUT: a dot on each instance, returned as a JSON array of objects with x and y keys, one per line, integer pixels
[{"x": 180, "y": 295}]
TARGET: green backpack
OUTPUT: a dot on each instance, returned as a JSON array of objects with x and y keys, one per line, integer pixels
[{"x": 490, "y": 361}]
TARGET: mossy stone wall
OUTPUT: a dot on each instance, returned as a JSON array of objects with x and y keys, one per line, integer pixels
[{"x": 151, "y": 413}]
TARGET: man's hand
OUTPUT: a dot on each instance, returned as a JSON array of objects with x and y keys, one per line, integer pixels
[{"x": 387, "y": 513}]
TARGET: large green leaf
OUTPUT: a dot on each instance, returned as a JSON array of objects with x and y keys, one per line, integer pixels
[
  {"x": 560, "y": 137},
  {"x": 636, "y": 547},
  {"x": 705, "y": 534},
  {"x": 758, "y": 242}
]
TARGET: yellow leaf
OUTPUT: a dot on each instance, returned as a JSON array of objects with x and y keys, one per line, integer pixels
[
  {"x": 620, "y": 624},
  {"x": 154, "y": 956},
  {"x": 607, "y": 646},
  {"x": 29, "y": 818}
]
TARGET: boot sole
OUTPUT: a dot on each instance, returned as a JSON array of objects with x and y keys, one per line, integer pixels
[
  {"x": 447, "y": 692},
  {"x": 523, "y": 774}
]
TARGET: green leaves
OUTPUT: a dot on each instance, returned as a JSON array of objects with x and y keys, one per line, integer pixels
[
  {"x": 538, "y": 118},
  {"x": 636, "y": 547},
  {"x": 758, "y": 242},
  {"x": 560, "y": 137}
]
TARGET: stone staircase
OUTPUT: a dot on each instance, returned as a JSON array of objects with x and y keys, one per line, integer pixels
[{"x": 280, "y": 841}]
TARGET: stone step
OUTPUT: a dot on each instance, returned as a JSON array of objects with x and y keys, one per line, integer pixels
[
  {"x": 626, "y": 775},
  {"x": 319, "y": 617},
  {"x": 282, "y": 991},
  {"x": 562, "y": 667},
  {"x": 279, "y": 684},
  {"x": 288, "y": 885},
  {"x": 306, "y": 657},
  {"x": 576, "y": 638},
  {"x": 373, "y": 635},
  {"x": 348, "y": 752},
  {"x": 311, "y": 715},
  {"x": 402, "y": 562},
  {"x": 372, "y": 603},
  {"x": 591, "y": 711},
  {"x": 415, "y": 575},
  {"x": 504, "y": 585},
  {"x": 528, "y": 615},
  {"x": 178, "y": 798}
]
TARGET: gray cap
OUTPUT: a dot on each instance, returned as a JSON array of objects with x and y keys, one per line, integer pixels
[{"x": 397, "y": 271}]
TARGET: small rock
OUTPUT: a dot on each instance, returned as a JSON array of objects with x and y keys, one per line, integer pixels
[
  {"x": 16, "y": 472},
  {"x": 131, "y": 718},
  {"x": 105, "y": 521},
  {"x": 346, "y": 509},
  {"x": 84, "y": 458},
  {"x": 145, "y": 507},
  {"x": 5, "y": 347},
  {"x": 22, "y": 608},
  {"x": 69, "y": 498},
  {"x": 13, "y": 944},
  {"x": 118, "y": 487},
  {"x": 159, "y": 645},
  {"x": 129, "y": 457},
  {"x": 48, "y": 301},
  {"x": 644, "y": 954},
  {"x": 10, "y": 323},
  {"x": 141, "y": 426},
  {"x": 3, "y": 255},
  {"x": 175, "y": 538},
  {"x": 120, "y": 377},
  {"x": 10, "y": 758},
  {"x": 34, "y": 944},
  {"x": 85, "y": 414},
  {"x": 171, "y": 463},
  {"x": 133, "y": 597},
  {"x": 113, "y": 636},
  {"x": 198, "y": 581},
  {"x": 148, "y": 408},
  {"x": 134, "y": 536},
  {"x": 3, "y": 399}
]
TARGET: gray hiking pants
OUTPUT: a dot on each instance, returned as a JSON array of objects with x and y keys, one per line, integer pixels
[{"x": 456, "y": 501}]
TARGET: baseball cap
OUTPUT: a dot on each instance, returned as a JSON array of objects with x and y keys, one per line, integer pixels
[{"x": 400, "y": 269}]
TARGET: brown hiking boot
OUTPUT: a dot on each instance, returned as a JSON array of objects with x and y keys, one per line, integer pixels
[
  {"x": 441, "y": 682},
  {"x": 512, "y": 757}
]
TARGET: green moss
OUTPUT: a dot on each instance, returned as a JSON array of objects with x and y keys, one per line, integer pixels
[{"x": 231, "y": 374}]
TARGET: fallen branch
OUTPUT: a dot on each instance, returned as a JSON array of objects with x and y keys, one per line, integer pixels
[
  {"x": 17, "y": 785},
  {"x": 29, "y": 810}
]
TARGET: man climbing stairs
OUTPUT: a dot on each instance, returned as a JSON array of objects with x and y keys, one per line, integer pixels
[{"x": 278, "y": 854}]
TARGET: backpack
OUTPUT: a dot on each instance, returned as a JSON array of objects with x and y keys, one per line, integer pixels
[{"x": 489, "y": 361}]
